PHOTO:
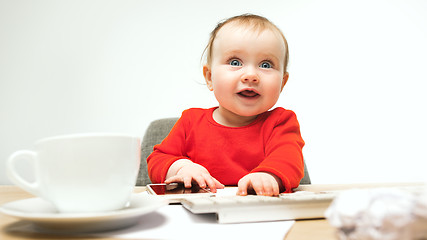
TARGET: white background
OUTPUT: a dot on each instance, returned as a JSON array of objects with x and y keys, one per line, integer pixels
[{"x": 357, "y": 75}]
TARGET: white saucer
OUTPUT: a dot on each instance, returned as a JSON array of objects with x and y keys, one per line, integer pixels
[{"x": 44, "y": 215}]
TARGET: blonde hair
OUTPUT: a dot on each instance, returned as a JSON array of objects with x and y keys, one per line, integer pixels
[{"x": 256, "y": 22}]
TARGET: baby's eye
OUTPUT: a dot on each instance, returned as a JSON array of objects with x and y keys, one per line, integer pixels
[
  {"x": 235, "y": 63},
  {"x": 265, "y": 65}
]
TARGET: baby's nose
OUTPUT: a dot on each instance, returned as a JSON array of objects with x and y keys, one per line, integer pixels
[{"x": 250, "y": 75}]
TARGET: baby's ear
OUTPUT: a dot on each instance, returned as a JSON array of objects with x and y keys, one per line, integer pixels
[
  {"x": 284, "y": 80},
  {"x": 208, "y": 76}
]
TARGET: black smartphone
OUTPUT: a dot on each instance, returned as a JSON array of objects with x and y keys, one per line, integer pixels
[{"x": 174, "y": 192}]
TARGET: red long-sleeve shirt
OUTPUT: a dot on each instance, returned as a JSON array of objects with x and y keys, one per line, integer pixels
[{"x": 271, "y": 143}]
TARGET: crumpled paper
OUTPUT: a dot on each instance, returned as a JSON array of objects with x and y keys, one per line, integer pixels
[{"x": 374, "y": 214}]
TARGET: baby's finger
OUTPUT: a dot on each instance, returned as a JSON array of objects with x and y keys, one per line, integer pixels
[
  {"x": 210, "y": 182},
  {"x": 200, "y": 180},
  {"x": 271, "y": 188},
  {"x": 173, "y": 179},
  {"x": 218, "y": 184},
  {"x": 258, "y": 187},
  {"x": 187, "y": 181},
  {"x": 275, "y": 187},
  {"x": 268, "y": 189},
  {"x": 214, "y": 184},
  {"x": 242, "y": 187}
]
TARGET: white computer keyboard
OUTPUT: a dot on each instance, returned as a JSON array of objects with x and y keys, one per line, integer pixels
[{"x": 253, "y": 208}]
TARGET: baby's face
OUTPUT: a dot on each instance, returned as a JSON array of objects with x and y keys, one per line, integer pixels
[{"x": 247, "y": 70}]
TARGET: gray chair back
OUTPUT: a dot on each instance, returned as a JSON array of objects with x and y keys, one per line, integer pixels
[{"x": 155, "y": 133}]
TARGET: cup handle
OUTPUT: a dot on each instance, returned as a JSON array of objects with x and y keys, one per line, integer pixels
[{"x": 31, "y": 187}]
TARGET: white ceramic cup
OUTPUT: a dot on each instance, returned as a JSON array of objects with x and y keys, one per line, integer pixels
[{"x": 81, "y": 172}]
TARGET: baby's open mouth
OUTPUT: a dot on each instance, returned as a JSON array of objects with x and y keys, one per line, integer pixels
[{"x": 248, "y": 94}]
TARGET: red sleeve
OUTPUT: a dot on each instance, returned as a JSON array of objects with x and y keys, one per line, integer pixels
[
  {"x": 283, "y": 151},
  {"x": 171, "y": 149}
]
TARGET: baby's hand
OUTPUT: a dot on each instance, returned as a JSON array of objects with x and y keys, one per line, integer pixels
[
  {"x": 262, "y": 183},
  {"x": 190, "y": 172}
]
